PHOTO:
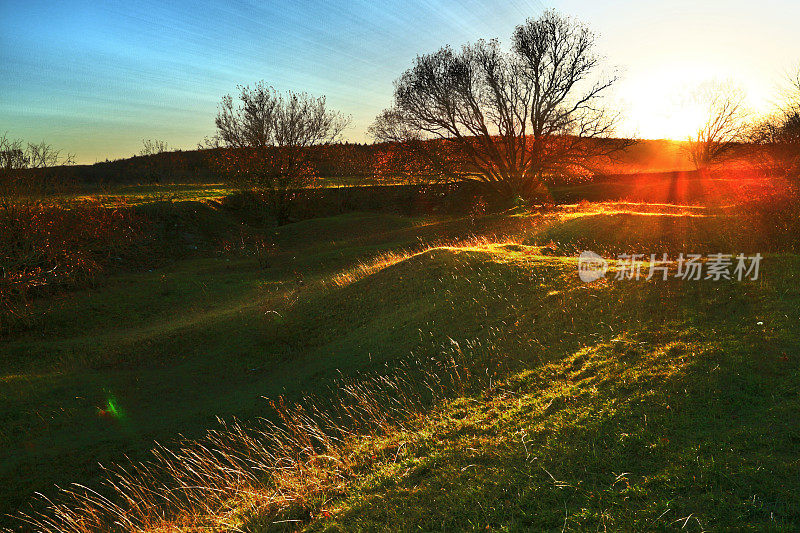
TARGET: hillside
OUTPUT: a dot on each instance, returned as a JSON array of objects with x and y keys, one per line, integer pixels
[
  {"x": 673, "y": 415},
  {"x": 454, "y": 371}
]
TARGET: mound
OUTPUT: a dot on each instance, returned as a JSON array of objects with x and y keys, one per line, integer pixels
[
  {"x": 673, "y": 420},
  {"x": 646, "y": 233}
]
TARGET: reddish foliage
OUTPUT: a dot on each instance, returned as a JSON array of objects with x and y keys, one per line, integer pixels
[
  {"x": 45, "y": 247},
  {"x": 264, "y": 168},
  {"x": 419, "y": 161},
  {"x": 276, "y": 173}
]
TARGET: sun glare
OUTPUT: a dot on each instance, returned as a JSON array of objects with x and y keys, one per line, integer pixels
[
  {"x": 661, "y": 103},
  {"x": 680, "y": 123},
  {"x": 659, "y": 108}
]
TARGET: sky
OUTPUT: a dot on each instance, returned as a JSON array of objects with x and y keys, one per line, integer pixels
[{"x": 94, "y": 78}]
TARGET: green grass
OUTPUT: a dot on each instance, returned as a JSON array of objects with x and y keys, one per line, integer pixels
[
  {"x": 627, "y": 405},
  {"x": 137, "y": 194},
  {"x": 680, "y": 418},
  {"x": 200, "y": 338},
  {"x": 117, "y": 195}
]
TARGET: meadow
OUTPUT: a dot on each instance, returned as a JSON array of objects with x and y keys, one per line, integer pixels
[
  {"x": 436, "y": 266},
  {"x": 488, "y": 387}
]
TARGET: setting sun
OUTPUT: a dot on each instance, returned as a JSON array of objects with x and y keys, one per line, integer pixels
[
  {"x": 665, "y": 102},
  {"x": 677, "y": 124}
]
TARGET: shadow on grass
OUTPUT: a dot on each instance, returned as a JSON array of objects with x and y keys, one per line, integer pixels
[{"x": 682, "y": 423}]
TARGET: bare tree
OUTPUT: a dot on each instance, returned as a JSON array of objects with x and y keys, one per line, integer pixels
[
  {"x": 250, "y": 122},
  {"x": 12, "y": 155},
  {"x": 262, "y": 117},
  {"x": 265, "y": 136},
  {"x": 17, "y": 160},
  {"x": 777, "y": 136},
  {"x": 43, "y": 155},
  {"x": 153, "y": 147},
  {"x": 16, "y": 155},
  {"x": 724, "y": 126},
  {"x": 507, "y": 118}
]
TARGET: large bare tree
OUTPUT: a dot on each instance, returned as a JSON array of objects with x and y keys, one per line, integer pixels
[
  {"x": 266, "y": 136},
  {"x": 506, "y": 117}
]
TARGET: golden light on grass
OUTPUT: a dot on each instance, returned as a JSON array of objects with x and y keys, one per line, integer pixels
[{"x": 368, "y": 267}]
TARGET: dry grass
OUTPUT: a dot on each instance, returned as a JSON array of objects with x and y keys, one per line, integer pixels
[
  {"x": 368, "y": 267},
  {"x": 277, "y": 473},
  {"x": 365, "y": 268}
]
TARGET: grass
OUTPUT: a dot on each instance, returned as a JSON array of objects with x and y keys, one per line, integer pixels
[
  {"x": 679, "y": 419},
  {"x": 618, "y": 405},
  {"x": 157, "y": 342},
  {"x": 142, "y": 194},
  {"x": 139, "y": 194}
]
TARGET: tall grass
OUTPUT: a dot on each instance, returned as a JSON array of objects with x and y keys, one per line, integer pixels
[{"x": 272, "y": 474}]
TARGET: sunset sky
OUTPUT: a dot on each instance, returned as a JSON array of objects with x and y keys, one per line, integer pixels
[{"x": 95, "y": 78}]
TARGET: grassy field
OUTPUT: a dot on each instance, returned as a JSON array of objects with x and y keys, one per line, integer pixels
[
  {"x": 142, "y": 194},
  {"x": 622, "y": 405},
  {"x": 203, "y": 337},
  {"x": 675, "y": 412}
]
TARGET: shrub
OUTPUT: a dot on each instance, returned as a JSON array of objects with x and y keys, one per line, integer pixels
[{"x": 45, "y": 247}]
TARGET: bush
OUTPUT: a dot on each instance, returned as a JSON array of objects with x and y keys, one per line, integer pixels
[{"x": 45, "y": 247}]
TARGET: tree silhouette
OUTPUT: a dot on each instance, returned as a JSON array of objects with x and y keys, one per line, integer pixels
[
  {"x": 723, "y": 128},
  {"x": 511, "y": 117},
  {"x": 777, "y": 137},
  {"x": 265, "y": 138}
]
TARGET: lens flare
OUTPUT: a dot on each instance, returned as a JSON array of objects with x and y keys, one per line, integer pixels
[{"x": 111, "y": 410}]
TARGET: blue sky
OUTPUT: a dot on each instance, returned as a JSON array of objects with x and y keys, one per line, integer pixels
[{"x": 94, "y": 78}]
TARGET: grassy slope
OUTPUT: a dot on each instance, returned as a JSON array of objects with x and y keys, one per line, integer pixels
[
  {"x": 204, "y": 337},
  {"x": 683, "y": 416},
  {"x": 632, "y": 404}
]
